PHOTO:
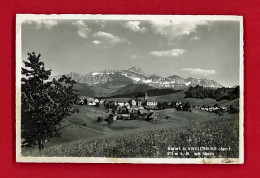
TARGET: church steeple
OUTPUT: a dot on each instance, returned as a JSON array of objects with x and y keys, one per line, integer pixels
[{"x": 145, "y": 96}]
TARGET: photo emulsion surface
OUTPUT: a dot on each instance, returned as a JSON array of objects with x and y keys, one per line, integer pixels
[{"x": 129, "y": 89}]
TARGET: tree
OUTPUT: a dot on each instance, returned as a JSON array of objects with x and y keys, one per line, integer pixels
[
  {"x": 216, "y": 105},
  {"x": 44, "y": 103}
]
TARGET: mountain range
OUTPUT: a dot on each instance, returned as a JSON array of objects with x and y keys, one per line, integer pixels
[
  {"x": 118, "y": 78},
  {"x": 108, "y": 82}
]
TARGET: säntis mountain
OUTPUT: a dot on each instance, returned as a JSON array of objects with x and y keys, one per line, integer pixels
[{"x": 116, "y": 79}]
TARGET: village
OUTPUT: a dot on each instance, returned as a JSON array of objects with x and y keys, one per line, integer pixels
[{"x": 137, "y": 108}]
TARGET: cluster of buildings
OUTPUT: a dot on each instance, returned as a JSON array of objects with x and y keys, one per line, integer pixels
[
  {"x": 135, "y": 108},
  {"x": 143, "y": 106},
  {"x": 134, "y": 102},
  {"x": 213, "y": 108}
]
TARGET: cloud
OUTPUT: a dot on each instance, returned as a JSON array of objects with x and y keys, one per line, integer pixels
[
  {"x": 48, "y": 24},
  {"x": 135, "y": 26},
  {"x": 102, "y": 23},
  {"x": 83, "y": 30},
  {"x": 175, "y": 29},
  {"x": 133, "y": 56},
  {"x": 195, "y": 38},
  {"x": 199, "y": 71},
  {"x": 169, "y": 53},
  {"x": 109, "y": 38},
  {"x": 96, "y": 42}
]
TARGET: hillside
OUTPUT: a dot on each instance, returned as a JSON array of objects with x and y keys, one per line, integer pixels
[
  {"x": 132, "y": 88},
  {"x": 81, "y": 137},
  {"x": 91, "y": 91},
  {"x": 150, "y": 92},
  {"x": 218, "y": 94},
  {"x": 84, "y": 90}
]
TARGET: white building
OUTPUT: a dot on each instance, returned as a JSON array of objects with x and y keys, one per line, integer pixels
[{"x": 151, "y": 103}]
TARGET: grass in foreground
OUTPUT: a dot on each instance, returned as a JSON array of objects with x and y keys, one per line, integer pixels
[{"x": 154, "y": 143}]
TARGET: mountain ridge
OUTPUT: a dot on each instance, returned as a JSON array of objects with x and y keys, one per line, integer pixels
[{"x": 116, "y": 79}]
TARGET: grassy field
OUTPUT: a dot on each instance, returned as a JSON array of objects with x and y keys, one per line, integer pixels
[{"x": 139, "y": 138}]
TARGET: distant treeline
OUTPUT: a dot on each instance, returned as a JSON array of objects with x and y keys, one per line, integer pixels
[
  {"x": 218, "y": 94},
  {"x": 152, "y": 92}
]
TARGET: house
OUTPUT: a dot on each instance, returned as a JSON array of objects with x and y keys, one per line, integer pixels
[
  {"x": 132, "y": 102},
  {"x": 90, "y": 101},
  {"x": 80, "y": 100},
  {"x": 224, "y": 108},
  {"x": 126, "y": 104},
  {"x": 178, "y": 103},
  {"x": 125, "y": 116},
  {"x": 121, "y": 104},
  {"x": 138, "y": 102},
  {"x": 101, "y": 102},
  {"x": 151, "y": 102}
]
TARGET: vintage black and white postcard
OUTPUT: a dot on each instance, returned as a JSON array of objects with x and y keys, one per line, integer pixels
[{"x": 129, "y": 89}]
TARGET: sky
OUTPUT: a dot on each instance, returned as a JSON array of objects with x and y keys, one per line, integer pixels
[{"x": 188, "y": 48}]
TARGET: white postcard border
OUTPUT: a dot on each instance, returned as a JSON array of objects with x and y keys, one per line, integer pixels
[{"x": 19, "y": 158}]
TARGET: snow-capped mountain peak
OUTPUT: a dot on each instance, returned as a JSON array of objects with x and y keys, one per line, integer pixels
[{"x": 119, "y": 78}]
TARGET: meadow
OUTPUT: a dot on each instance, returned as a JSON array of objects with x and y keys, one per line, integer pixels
[
  {"x": 152, "y": 139},
  {"x": 81, "y": 136}
]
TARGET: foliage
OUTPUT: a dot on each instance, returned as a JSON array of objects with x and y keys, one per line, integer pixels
[
  {"x": 44, "y": 103},
  {"x": 233, "y": 109},
  {"x": 218, "y": 94}
]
